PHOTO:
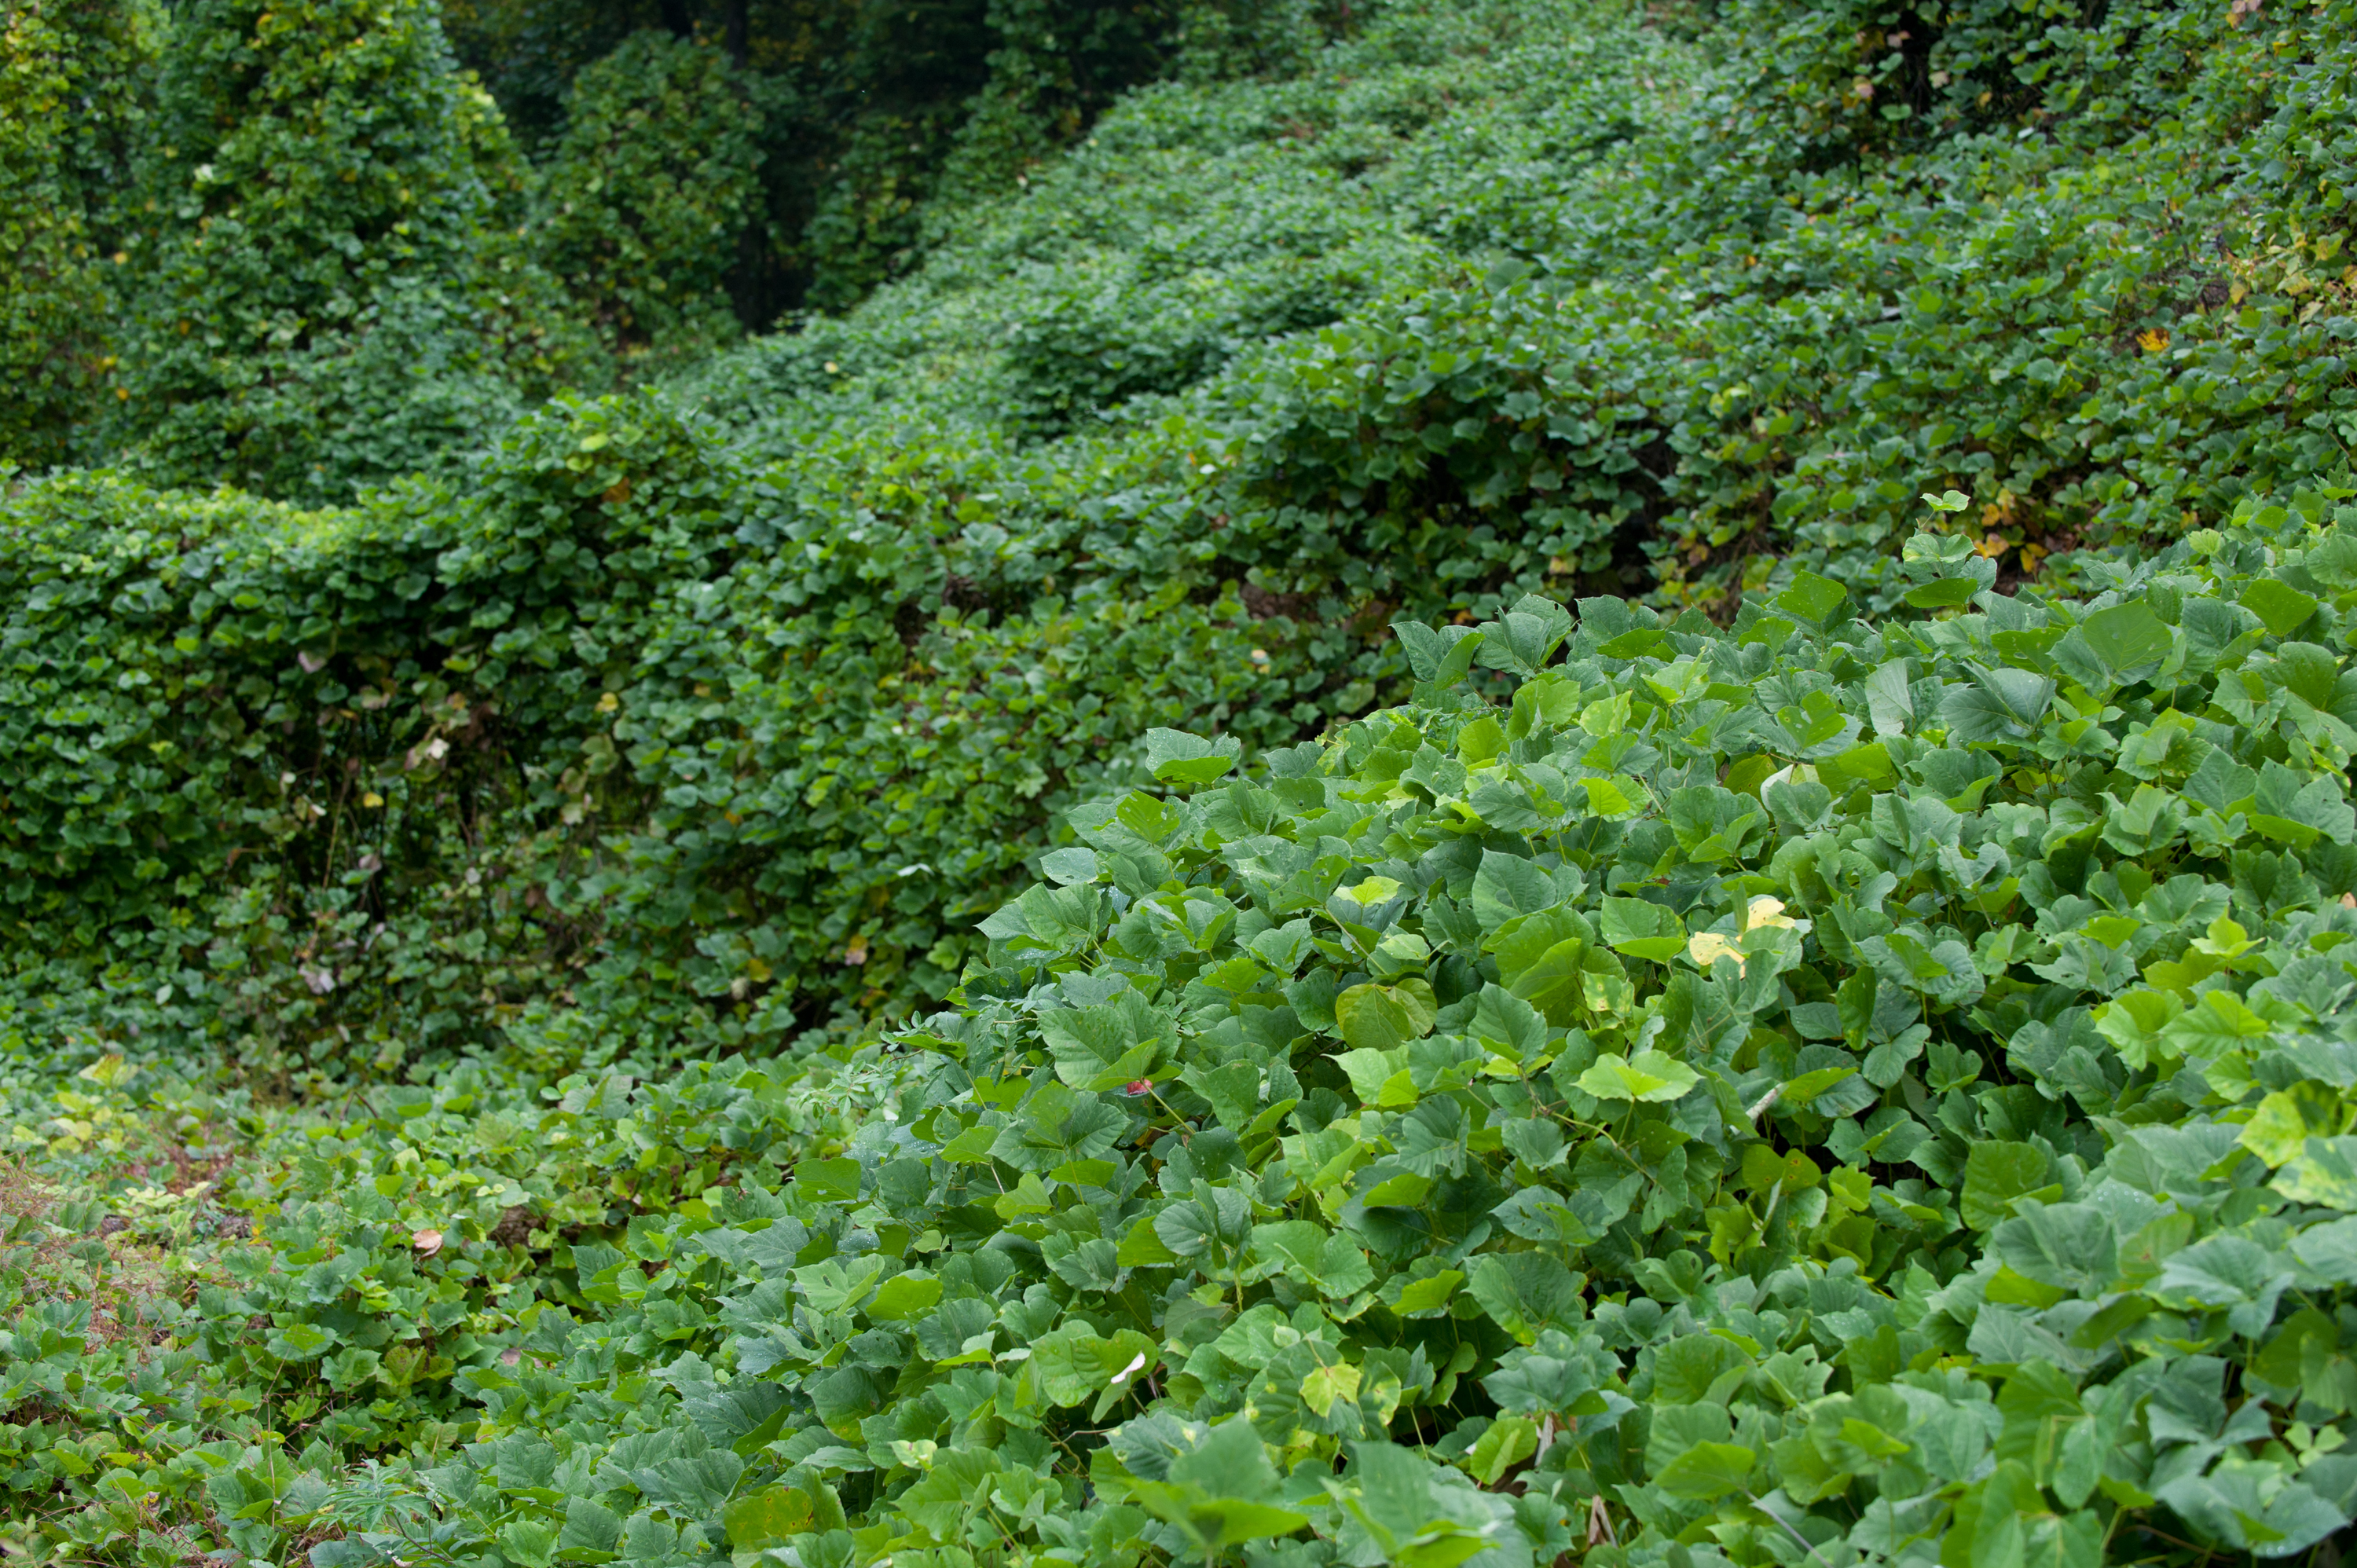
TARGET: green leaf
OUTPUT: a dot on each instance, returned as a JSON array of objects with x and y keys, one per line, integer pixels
[
  {"x": 1371, "y": 1074},
  {"x": 1812, "y": 598},
  {"x": 1220, "y": 1493},
  {"x": 1651, "y": 1077},
  {"x": 773, "y": 1514},
  {"x": 1509, "y": 1026},
  {"x": 1381, "y": 1017},
  {"x": 1943, "y": 592},
  {"x": 827, "y": 1180},
  {"x": 1643, "y": 929},
  {"x": 300, "y": 1342},
  {"x": 1178, "y": 758},
  {"x": 904, "y": 1297},
  {"x": 1525, "y": 1293},
  {"x": 1708, "y": 1471},
  {"x": 2281, "y": 607},
  {"x": 2129, "y": 639},
  {"x": 1427, "y": 1296},
  {"x": 1997, "y": 1171},
  {"x": 1507, "y": 885},
  {"x": 1106, "y": 1046}
]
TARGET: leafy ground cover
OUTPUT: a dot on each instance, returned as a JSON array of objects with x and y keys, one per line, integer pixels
[
  {"x": 1309, "y": 858},
  {"x": 1810, "y": 1090}
]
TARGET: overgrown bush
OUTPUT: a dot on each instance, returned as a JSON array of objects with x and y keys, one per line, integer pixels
[
  {"x": 315, "y": 301},
  {"x": 68, "y": 74},
  {"x": 648, "y": 196}
]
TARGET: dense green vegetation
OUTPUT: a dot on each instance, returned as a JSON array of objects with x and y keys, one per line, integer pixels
[{"x": 1287, "y": 841}]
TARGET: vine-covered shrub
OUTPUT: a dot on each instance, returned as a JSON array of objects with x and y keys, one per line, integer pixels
[
  {"x": 314, "y": 302},
  {"x": 866, "y": 639},
  {"x": 68, "y": 74},
  {"x": 1589, "y": 303},
  {"x": 1817, "y": 1090},
  {"x": 648, "y": 196},
  {"x": 704, "y": 765}
]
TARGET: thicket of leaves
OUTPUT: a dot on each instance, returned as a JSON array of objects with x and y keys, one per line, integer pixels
[
  {"x": 1764, "y": 1084},
  {"x": 316, "y": 297},
  {"x": 651, "y": 192},
  {"x": 1817, "y": 1090},
  {"x": 66, "y": 74}
]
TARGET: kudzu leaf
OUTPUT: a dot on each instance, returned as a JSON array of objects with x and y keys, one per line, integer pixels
[
  {"x": 2128, "y": 639},
  {"x": 1178, "y": 758},
  {"x": 1641, "y": 929},
  {"x": 1651, "y": 1077},
  {"x": 1708, "y": 1471},
  {"x": 1812, "y": 598}
]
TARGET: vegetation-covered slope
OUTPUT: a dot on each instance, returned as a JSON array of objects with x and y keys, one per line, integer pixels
[{"x": 495, "y": 922}]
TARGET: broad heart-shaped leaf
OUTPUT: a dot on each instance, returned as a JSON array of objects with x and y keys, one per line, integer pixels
[
  {"x": 904, "y": 1297},
  {"x": 942, "y": 1496},
  {"x": 1941, "y": 592},
  {"x": 1525, "y": 1293},
  {"x": 590, "y": 1526},
  {"x": 2254, "y": 1507},
  {"x": 300, "y": 1342},
  {"x": 1707, "y": 1471},
  {"x": 1523, "y": 639},
  {"x": 758, "y": 1519},
  {"x": 1070, "y": 1364},
  {"x": 1556, "y": 1376},
  {"x": 1068, "y": 865},
  {"x": 1554, "y": 981},
  {"x": 1651, "y": 1077},
  {"x": 1178, "y": 757},
  {"x": 1381, "y": 1017},
  {"x": 1812, "y": 598},
  {"x": 1441, "y": 656},
  {"x": 2232, "y": 1271},
  {"x": 2280, "y": 606},
  {"x": 1424, "y": 1297},
  {"x": 2002, "y": 705},
  {"x": 1415, "y": 1514},
  {"x": 1222, "y": 1492},
  {"x": 1997, "y": 1171},
  {"x": 2128, "y": 639},
  {"x": 1642, "y": 928},
  {"x": 1506, "y": 886},
  {"x": 1107, "y": 1045},
  {"x": 2330, "y": 1249},
  {"x": 1508, "y": 1025},
  {"x": 1372, "y": 1072},
  {"x": 2070, "y": 1245}
]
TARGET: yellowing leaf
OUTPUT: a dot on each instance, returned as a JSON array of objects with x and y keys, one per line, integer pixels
[
  {"x": 1706, "y": 947},
  {"x": 1321, "y": 1387},
  {"x": 110, "y": 1071}
]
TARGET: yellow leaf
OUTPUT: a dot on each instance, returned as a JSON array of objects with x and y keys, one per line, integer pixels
[{"x": 1703, "y": 948}]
